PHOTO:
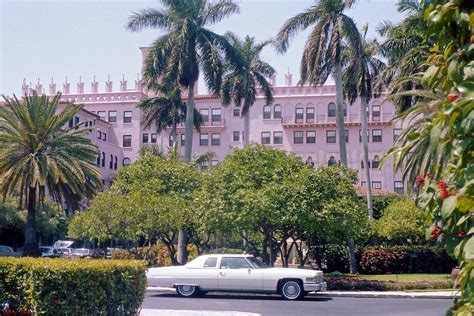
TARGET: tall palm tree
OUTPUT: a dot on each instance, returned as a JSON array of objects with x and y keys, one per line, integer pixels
[
  {"x": 186, "y": 48},
  {"x": 322, "y": 56},
  {"x": 40, "y": 158},
  {"x": 243, "y": 79},
  {"x": 178, "y": 55},
  {"x": 167, "y": 110},
  {"x": 360, "y": 80}
]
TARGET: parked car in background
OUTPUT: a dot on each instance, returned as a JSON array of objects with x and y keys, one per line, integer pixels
[
  {"x": 236, "y": 273},
  {"x": 49, "y": 252},
  {"x": 7, "y": 251},
  {"x": 83, "y": 253}
]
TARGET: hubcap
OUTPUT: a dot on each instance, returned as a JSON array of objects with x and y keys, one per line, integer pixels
[
  {"x": 186, "y": 289},
  {"x": 291, "y": 290}
]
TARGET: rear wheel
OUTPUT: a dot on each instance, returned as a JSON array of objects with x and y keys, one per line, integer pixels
[
  {"x": 291, "y": 290},
  {"x": 187, "y": 290}
]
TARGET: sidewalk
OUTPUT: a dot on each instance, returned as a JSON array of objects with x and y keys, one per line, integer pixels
[{"x": 357, "y": 294}]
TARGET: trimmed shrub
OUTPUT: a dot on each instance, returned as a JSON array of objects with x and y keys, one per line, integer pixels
[
  {"x": 358, "y": 284},
  {"x": 72, "y": 286},
  {"x": 405, "y": 259}
]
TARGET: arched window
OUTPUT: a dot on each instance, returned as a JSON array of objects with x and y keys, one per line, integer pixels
[
  {"x": 111, "y": 164},
  {"x": 375, "y": 162},
  {"x": 115, "y": 163},
  {"x": 332, "y": 109},
  {"x": 126, "y": 161},
  {"x": 267, "y": 112},
  {"x": 103, "y": 159},
  {"x": 277, "y": 111}
]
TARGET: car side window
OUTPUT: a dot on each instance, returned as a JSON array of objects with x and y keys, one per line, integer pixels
[
  {"x": 235, "y": 263},
  {"x": 210, "y": 262}
]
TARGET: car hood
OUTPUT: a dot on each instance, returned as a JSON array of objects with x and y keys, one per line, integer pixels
[{"x": 293, "y": 272}]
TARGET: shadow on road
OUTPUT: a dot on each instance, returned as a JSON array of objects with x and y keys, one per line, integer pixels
[{"x": 243, "y": 296}]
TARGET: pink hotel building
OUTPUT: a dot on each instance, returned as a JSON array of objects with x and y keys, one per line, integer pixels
[{"x": 302, "y": 120}]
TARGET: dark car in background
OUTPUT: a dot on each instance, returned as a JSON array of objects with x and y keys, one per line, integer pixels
[{"x": 7, "y": 251}]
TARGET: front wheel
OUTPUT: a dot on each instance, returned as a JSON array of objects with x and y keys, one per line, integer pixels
[
  {"x": 187, "y": 290},
  {"x": 292, "y": 290}
]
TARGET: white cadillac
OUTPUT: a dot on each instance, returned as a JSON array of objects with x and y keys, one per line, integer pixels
[{"x": 236, "y": 273}]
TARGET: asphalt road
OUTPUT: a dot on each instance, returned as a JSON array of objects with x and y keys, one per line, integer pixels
[{"x": 311, "y": 305}]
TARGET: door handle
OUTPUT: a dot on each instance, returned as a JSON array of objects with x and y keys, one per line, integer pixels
[{"x": 222, "y": 273}]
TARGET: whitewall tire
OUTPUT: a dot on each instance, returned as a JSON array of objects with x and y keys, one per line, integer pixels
[
  {"x": 187, "y": 290},
  {"x": 291, "y": 290}
]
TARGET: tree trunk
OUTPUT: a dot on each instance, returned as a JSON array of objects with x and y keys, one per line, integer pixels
[
  {"x": 365, "y": 147},
  {"x": 30, "y": 248},
  {"x": 340, "y": 113},
  {"x": 188, "y": 147},
  {"x": 175, "y": 135},
  {"x": 352, "y": 258},
  {"x": 247, "y": 128}
]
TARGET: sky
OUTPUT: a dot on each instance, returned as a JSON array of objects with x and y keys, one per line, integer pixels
[{"x": 85, "y": 38}]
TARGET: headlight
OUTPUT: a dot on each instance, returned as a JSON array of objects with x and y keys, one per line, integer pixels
[{"x": 312, "y": 279}]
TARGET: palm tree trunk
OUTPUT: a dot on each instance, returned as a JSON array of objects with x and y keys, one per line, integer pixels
[
  {"x": 365, "y": 147},
  {"x": 352, "y": 257},
  {"x": 31, "y": 244},
  {"x": 188, "y": 146},
  {"x": 340, "y": 113},
  {"x": 247, "y": 128}
]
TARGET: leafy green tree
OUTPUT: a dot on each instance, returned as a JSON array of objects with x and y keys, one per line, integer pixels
[
  {"x": 437, "y": 145},
  {"x": 178, "y": 55},
  {"x": 333, "y": 31},
  {"x": 402, "y": 222},
  {"x": 359, "y": 79},
  {"x": 39, "y": 158},
  {"x": 244, "y": 78},
  {"x": 167, "y": 111}
]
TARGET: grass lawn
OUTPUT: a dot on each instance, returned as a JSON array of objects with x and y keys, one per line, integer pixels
[{"x": 398, "y": 277}]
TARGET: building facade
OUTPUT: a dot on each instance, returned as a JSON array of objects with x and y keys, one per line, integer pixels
[{"x": 302, "y": 120}]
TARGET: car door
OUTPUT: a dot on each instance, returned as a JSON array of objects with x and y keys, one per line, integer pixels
[
  {"x": 237, "y": 274},
  {"x": 209, "y": 274}
]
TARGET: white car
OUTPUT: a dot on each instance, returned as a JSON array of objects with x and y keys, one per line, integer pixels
[{"x": 236, "y": 273}]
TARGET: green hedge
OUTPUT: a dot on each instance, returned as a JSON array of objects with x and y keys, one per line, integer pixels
[{"x": 72, "y": 286}]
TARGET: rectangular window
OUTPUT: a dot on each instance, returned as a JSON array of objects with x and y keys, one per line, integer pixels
[
  {"x": 112, "y": 116},
  {"x": 376, "y": 112},
  {"x": 376, "y": 185},
  {"x": 396, "y": 133},
  {"x": 299, "y": 115},
  {"x": 377, "y": 135},
  {"x": 236, "y": 136},
  {"x": 346, "y": 134},
  {"x": 71, "y": 123},
  {"x": 154, "y": 138},
  {"x": 203, "y": 139},
  {"x": 331, "y": 137},
  {"x": 360, "y": 136},
  {"x": 398, "y": 186},
  {"x": 183, "y": 139},
  {"x": 101, "y": 115},
  {"x": 236, "y": 112},
  {"x": 309, "y": 115},
  {"x": 99, "y": 135},
  {"x": 104, "y": 137},
  {"x": 216, "y": 116},
  {"x": 145, "y": 138},
  {"x": 266, "y": 138},
  {"x": 363, "y": 183},
  {"x": 127, "y": 141},
  {"x": 298, "y": 137},
  {"x": 127, "y": 116},
  {"x": 310, "y": 137},
  {"x": 204, "y": 164},
  {"x": 171, "y": 140},
  {"x": 205, "y": 116},
  {"x": 215, "y": 139},
  {"x": 277, "y": 137},
  {"x": 214, "y": 162}
]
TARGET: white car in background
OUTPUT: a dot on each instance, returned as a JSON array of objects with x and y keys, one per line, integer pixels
[{"x": 236, "y": 273}]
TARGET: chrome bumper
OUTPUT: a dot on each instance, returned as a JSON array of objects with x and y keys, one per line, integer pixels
[{"x": 315, "y": 287}]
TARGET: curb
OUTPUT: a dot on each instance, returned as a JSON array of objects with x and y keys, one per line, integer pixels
[{"x": 356, "y": 294}]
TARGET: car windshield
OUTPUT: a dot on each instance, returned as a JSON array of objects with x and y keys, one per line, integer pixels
[{"x": 257, "y": 263}]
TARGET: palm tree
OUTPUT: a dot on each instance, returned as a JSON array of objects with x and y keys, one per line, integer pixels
[
  {"x": 167, "y": 110},
  {"x": 187, "y": 47},
  {"x": 243, "y": 79},
  {"x": 359, "y": 80},
  {"x": 39, "y": 158},
  {"x": 322, "y": 56},
  {"x": 178, "y": 55}
]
